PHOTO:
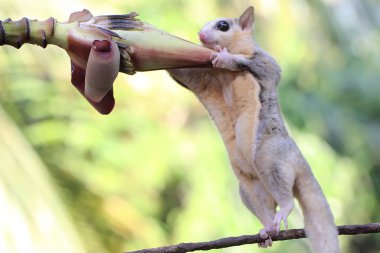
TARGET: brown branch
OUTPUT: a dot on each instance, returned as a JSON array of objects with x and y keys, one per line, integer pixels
[{"x": 250, "y": 239}]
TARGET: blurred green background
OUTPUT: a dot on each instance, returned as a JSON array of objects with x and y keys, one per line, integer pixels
[{"x": 155, "y": 171}]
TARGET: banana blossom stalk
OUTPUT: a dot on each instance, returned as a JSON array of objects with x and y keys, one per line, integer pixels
[{"x": 101, "y": 46}]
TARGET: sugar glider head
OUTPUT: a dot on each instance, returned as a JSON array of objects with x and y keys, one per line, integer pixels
[{"x": 226, "y": 32}]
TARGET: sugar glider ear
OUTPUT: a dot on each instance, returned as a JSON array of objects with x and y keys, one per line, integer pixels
[{"x": 247, "y": 18}]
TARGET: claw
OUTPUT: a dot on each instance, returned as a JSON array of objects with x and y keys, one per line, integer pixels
[{"x": 223, "y": 59}]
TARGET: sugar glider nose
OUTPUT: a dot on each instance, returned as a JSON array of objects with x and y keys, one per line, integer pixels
[{"x": 202, "y": 37}]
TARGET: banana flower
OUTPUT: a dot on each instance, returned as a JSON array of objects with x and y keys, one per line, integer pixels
[{"x": 102, "y": 46}]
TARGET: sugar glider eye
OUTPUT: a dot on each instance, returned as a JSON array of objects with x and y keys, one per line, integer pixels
[{"x": 223, "y": 26}]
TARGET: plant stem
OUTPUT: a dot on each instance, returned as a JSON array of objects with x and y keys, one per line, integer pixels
[{"x": 41, "y": 33}]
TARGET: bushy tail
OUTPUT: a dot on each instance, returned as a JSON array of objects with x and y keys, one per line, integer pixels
[{"x": 319, "y": 221}]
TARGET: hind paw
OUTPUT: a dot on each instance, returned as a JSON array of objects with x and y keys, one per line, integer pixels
[
  {"x": 276, "y": 224},
  {"x": 281, "y": 215},
  {"x": 267, "y": 240}
]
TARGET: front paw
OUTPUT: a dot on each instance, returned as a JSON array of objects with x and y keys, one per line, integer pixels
[{"x": 223, "y": 59}]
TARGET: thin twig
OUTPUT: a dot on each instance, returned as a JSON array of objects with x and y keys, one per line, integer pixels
[{"x": 250, "y": 239}]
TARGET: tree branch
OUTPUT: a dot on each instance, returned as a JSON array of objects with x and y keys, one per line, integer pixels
[{"x": 250, "y": 239}]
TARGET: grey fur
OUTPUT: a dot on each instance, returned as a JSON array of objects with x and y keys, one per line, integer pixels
[{"x": 279, "y": 164}]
